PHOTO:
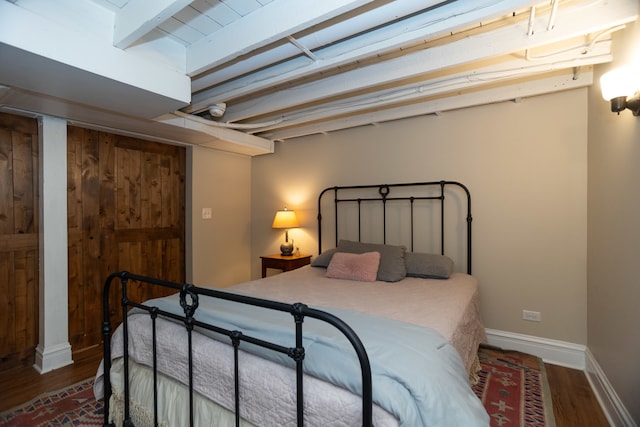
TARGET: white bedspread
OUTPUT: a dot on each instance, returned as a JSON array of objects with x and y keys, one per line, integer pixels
[
  {"x": 260, "y": 380},
  {"x": 448, "y": 306}
]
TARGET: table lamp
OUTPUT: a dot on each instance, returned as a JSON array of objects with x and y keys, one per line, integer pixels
[{"x": 285, "y": 219}]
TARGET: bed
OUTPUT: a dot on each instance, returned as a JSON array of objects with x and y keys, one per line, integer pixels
[{"x": 387, "y": 335}]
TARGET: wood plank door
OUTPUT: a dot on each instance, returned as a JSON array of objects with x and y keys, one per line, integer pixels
[
  {"x": 18, "y": 240},
  {"x": 126, "y": 204}
]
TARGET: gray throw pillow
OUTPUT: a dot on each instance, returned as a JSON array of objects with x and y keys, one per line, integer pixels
[
  {"x": 430, "y": 266},
  {"x": 392, "y": 266},
  {"x": 324, "y": 258}
]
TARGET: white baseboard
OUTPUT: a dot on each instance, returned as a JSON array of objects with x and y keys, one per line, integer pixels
[
  {"x": 611, "y": 404},
  {"x": 574, "y": 356},
  {"x": 53, "y": 357},
  {"x": 552, "y": 351}
]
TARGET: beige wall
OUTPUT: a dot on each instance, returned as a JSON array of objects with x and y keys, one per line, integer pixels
[
  {"x": 526, "y": 167},
  {"x": 218, "y": 250},
  {"x": 614, "y": 234}
]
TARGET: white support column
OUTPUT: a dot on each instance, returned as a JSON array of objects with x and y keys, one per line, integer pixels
[{"x": 53, "y": 350}]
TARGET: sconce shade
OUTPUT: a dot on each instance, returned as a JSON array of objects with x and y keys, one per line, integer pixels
[
  {"x": 620, "y": 87},
  {"x": 285, "y": 219},
  {"x": 617, "y": 83}
]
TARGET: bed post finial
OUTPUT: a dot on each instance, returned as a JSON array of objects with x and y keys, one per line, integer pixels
[{"x": 189, "y": 309}]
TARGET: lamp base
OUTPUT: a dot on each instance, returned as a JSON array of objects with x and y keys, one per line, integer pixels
[{"x": 286, "y": 249}]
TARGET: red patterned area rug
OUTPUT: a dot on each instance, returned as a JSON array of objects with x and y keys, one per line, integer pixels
[
  {"x": 514, "y": 389},
  {"x": 71, "y": 406}
]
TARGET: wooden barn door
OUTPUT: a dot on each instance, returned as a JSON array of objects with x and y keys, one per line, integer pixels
[
  {"x": 18, "y": 240},
  {"x": 126, "y": 200}
]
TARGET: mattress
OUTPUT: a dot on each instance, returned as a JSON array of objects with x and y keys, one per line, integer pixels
[{"x": 449, "y": 308}]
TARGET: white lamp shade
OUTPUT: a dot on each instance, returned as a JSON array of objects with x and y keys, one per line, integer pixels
[
  {"x": 618, "y": 82},
  {"x": 285, "y": 219}
]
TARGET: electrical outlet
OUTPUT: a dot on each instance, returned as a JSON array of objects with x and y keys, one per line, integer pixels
[
  {"x": 206, "y": 213},
  {"x": 533, "y": 316}
]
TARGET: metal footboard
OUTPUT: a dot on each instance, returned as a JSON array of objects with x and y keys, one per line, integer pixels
[{"x": 189, "y": 299}]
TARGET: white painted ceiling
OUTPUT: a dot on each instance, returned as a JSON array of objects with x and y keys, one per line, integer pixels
[{"x": 289, "y": 68}]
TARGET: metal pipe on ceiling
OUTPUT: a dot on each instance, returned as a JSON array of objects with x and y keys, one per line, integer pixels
[
  {"x": 214, "y": 88},
  {"x": 552, "y": 15}
]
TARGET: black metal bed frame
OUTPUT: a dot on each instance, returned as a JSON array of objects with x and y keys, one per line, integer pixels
[
  {"x": 384, "y": 191},
  {"x": 189, "y": 300}
]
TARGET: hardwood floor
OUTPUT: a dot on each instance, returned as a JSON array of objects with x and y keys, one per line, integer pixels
[
  {"x": 574, "y": 403},
  {"x": 20, "y": 385}
]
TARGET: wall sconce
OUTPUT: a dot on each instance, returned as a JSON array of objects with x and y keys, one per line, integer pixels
[
  {"x": 620, "y": 87},
  {"x": 285, "y": 219}
]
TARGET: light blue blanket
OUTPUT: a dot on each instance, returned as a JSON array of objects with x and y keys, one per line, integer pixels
[{"x": 416, "y": 374}]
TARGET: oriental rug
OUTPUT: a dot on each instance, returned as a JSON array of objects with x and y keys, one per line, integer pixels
[
  {"x": 514, "y": 389},
  {"x": 72, "y": 406}
]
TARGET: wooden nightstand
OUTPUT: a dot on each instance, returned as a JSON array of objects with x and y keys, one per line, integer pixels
[{"x": 284, "y": 263}]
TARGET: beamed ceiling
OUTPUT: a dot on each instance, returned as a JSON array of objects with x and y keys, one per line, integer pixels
[{"x": 238, "y": 75}]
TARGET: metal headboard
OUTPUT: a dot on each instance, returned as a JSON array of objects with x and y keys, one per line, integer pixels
[{"x": 436, "y": 191}]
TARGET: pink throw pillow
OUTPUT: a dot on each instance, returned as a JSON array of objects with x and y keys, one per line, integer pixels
[{"x": 361, "y": 267}]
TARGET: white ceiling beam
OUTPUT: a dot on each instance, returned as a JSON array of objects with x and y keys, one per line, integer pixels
[
  {"x": 509, "y": 70},
  {"x": 570, "y": 22},
  {"x": 265, "y": 25},
  {"x": 326, "y": 35},
  {"x": 536, "y": 87},
  {"x": 33, "y": 105},
  {"x": 85, "y": 69},
  {"x": 440, "y": 20},
  {"x": 139, "y": 17},
  {"x": 196, "y": 123},
  {"x": 181, "y": 137}
]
